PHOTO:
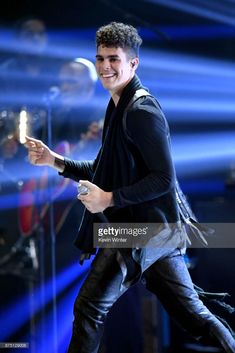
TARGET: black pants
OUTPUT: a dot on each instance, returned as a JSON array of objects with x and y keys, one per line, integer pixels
[{"x": 167, "y": 277}]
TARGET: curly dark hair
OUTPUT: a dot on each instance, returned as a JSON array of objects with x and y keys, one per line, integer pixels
[{"x": 119, "y": 35}]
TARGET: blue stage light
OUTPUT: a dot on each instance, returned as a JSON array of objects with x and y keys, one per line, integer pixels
[
  {"x": 17, "y": 314},
  {"x": 178, "y": 64},
  {"x": 194, "y": 154},
  {"x": 207, "y": 152},
  {"x": 64, "y": 323}
]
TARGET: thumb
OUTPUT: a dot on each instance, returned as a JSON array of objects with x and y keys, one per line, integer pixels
[{"x": 87, "y": 184}]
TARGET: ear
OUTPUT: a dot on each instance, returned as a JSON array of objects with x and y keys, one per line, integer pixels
[{"x": 135, "y": 63}]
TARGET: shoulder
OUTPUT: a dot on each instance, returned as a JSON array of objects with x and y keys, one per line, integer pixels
[
  {"x": 146, "y": 103},
  {"x": 146, "y": 110}
]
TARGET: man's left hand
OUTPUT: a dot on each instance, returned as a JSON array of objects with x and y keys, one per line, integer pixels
[{"x": 96, "y": 200}]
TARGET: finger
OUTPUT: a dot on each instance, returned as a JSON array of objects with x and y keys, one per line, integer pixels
[
  {"x": 29, "y": 144},
  {"x": 88, "y": 207},
  {"x": 35, "y": 154},
  {"x": 85, "y": 204},
  {"x": 33, "y": 159},
  {"x": 33, "y": 141},
  {"x": 36, "y": 149},
  {"x": 29, "y": 138},
  {"x": 82, "y": 198},
  {"x": 86, "y": 183}
]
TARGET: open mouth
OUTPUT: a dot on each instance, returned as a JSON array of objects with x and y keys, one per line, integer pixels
[{"x": 107, "y": 76}]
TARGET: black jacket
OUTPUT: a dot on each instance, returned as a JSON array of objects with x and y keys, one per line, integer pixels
[{"x": 140, "y": 174}]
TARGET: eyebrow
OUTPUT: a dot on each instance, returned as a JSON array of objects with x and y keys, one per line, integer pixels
[{"x": 109, "y": 56}]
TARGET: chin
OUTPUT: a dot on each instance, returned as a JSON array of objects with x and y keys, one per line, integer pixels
[{"x": 107, "y": 85}]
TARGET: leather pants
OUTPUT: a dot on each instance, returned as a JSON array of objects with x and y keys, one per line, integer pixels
[{"x": 166, "y": 276}]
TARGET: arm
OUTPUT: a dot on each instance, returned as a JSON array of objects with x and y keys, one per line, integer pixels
[
  {"x": 39, "y": 154},
  {"x": 148, "y": 131}
]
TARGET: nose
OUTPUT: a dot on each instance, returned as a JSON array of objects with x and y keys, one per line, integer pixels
[{"x": 106, "y": 64}]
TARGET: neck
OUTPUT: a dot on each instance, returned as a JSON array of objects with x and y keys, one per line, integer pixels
[
  {"x": 118, "y": 92},
  {"x": 116, "y": 96}
]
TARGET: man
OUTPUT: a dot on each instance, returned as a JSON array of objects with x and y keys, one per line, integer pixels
[
  {"x": 131, "y": 180},
  {"x": 76, "y": 82},
  {"x": 29, "y": 73}
]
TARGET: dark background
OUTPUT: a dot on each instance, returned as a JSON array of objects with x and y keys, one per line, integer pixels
[{"x": 156, "y": 18}]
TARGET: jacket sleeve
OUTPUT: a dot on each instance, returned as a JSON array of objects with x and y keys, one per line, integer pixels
[
  {"x": 148, "y": 130},
  {"x": 77, "y": 170}
]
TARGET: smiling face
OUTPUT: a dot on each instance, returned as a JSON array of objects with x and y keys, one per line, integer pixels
[{"x": 115, "y": 68}]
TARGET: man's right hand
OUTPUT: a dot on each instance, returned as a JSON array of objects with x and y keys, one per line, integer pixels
[{"x": 38, "y": 153}]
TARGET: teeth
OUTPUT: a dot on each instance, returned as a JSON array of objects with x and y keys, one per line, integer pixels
[{"x": 107, "y": 76}]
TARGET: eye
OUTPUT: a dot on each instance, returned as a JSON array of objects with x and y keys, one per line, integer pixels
[
  {"x": 99, "y": 59},
  {"x": 113, "y": 60}
]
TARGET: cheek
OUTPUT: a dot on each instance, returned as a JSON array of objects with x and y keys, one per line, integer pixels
[{"x": 124, "y": 72}]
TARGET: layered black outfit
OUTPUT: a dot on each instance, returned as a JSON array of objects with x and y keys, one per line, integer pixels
[{"x": 141, "y": 176}]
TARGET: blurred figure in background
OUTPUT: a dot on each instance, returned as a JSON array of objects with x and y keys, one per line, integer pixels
[
  {"x": 25, "y": 80},
  {"x": 30, "y": 72},
  {"x": 76, "y": 130},
  {"x": 74, "y": 112},
  {"x": 26, "y": 76},
  {"x": 77, "y": 82}
]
